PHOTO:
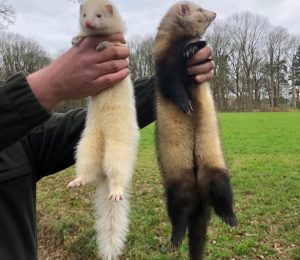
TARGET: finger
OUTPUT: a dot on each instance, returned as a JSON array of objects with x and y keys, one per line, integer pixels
[
  {"x": 201, "y": 69},
  {"x": 200, "y": 55},
  {"x": 112, "y": 53},
  {"x": 93, "y": 41},
  {"x": 109, "y": 80},
  {"x": 204, "y": 77},
  {"x": 110, "y": 67}
]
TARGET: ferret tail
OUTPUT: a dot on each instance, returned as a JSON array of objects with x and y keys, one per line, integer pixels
[
  {"x": 197, "y": 230},
  {"x": 111, "y": 223}
]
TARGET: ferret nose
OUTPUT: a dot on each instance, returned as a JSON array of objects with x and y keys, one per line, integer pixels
[
  {"x": 88, "y": 25},
  {"x": 214, "y": 14}
]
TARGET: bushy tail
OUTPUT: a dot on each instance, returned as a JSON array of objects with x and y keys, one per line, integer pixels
[{"x": 111, "y": 222}]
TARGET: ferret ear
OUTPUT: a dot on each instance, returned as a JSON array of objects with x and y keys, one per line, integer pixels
[
  {"x": 110, "y": 9},
  {"x": 184, "y": 10}
]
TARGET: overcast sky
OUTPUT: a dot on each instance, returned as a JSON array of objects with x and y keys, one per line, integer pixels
[{"x": 53, "y": 23}]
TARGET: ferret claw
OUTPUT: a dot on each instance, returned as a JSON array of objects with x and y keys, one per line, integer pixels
[
  {"x": 187, "y": 108},
  {"x": 77, "y": 40},
  {"x": 115, "y": 197}
]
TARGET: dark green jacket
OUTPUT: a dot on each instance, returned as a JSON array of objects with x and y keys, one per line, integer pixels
[{"x": 34, "y": 144}]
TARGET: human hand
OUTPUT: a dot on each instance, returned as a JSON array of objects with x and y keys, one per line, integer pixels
[
  {"x": 201, "y": 72},
  {"x": 81, "y": 71}
]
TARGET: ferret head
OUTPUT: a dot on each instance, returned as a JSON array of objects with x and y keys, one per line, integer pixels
[
  {"x": 100, "y": 17},
  {"x": 190, "y": 19}
]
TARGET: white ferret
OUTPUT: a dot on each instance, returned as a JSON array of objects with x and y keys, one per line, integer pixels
[{"x": 107, "y": 149}]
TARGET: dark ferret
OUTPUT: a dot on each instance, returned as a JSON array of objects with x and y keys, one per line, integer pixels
[{"x": 190, "y": 155}]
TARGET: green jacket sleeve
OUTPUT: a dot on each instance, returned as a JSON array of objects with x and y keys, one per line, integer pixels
[
  {"x": 20, "y": 111},
  {"x": 52, "y": 145},
  {"x": 144, "y": 89}
]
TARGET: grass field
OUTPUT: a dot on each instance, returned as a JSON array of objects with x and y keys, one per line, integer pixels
[{"x": 263, "y": 154}]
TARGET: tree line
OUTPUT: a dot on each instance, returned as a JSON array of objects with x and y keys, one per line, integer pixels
[{"x": 257, "y": 63}]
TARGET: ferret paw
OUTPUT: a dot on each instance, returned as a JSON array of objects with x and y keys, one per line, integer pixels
[
  {"x": 172, "y": 248},
  {"x": 177, "y": 238},
  {"x": 221, "y": 196},
  {"x": 76, "y": 183},
  {"x": 103, "y": 45},
  {"x": 186, "y": 107},
  {"x": 77, "y": 40},
  {"x": 115, "y": 197},
  {"x": 230, "y": 220},
  {"x": 192, "y": 48},
  {"x": 106, "y": 44}
]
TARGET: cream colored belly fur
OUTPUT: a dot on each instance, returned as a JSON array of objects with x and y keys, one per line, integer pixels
[
  {"x": 107, "y": 149},
  {"x": 182, "y": 135}
]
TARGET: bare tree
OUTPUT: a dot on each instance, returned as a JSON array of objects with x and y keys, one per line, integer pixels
[
  {"x": 141, "y": 59},
  {"x": 295, "y": 78},
  {"x": 20, "y": 54},
  {"x": 219, "y": 38},
  {"x": 276, "y": 67},
  {"x": 293, "y": 63},
  {"x": 7, "y": 14},
  {"x": 248, "y": 36}
]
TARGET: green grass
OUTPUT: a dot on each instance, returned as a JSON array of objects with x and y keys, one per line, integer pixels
[{"x": 263, "y": 154}]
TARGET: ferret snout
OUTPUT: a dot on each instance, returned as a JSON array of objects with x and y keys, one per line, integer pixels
[
  {"x": 88, "y": 25},
  {"x": 212, "y": 15}
]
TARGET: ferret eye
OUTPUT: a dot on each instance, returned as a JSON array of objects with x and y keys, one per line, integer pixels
[
  {"x": 200, "y": 9},
  {"x": 84, "y": 15},
  {"x": 99, "y": 15}
]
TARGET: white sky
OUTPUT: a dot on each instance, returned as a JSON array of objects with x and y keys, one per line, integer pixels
[{"x": 53, "y": 23}]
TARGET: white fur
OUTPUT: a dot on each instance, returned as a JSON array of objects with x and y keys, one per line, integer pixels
[
  {"x": 110, "y": 138},
  {"x": 104, "y": 25},
  {"x": 111, "y": 223},
  {"x": 107, "y": 150}
]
